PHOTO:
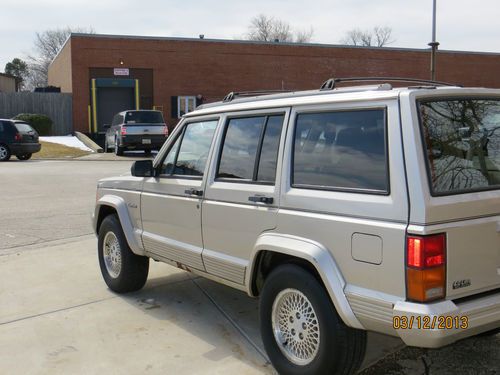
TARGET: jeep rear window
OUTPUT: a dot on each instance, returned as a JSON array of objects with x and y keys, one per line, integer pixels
[
  {"x": 462, "y": 144},
  {"x": 341, "y": 150}
]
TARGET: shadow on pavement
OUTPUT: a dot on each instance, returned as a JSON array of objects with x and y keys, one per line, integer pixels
[{"x": 189, "y": 304}]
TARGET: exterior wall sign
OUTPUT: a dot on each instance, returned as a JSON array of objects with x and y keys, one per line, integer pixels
[{"x": 121, "y": 71}]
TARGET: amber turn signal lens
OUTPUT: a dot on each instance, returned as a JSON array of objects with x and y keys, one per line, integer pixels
[{"x": 425, "y": 285}]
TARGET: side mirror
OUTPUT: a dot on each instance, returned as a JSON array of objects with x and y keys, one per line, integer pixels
[{"x": 142, "y": 168}]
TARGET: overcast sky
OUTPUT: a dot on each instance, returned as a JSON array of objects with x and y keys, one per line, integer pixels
[{"x": 461, "y": 24}]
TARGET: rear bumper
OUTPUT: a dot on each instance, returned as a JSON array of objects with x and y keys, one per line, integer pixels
[
  {"x": 465, "y": 319},
  {"x": 137, "y": 141},
  {"x": 24, "y": 148}
]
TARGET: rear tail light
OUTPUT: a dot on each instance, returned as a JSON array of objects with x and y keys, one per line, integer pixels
[
  {"x": 123, "y": 130},
  {"x": 426, "y": 267},
  {"x": 18, "y": 137},
  {"x": 165, "y": 131}
]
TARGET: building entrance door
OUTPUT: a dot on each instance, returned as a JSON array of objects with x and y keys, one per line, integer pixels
[{"x": 110, "y": 96}]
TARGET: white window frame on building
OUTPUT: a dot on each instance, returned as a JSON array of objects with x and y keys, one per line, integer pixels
[{"x": 185, "y": 104}]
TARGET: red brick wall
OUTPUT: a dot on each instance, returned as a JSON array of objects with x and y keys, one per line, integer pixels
[{"x": 214, "y": 68}]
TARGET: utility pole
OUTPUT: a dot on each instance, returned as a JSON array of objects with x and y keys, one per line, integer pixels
[{"x": 434, "y": 45}]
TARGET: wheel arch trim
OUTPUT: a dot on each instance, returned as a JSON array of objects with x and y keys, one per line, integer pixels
[
  {"x": 315, "y": 254},
  {"x": 118, "y": 204}
]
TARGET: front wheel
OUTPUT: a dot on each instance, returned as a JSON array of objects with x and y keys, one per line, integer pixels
[
  {"x": 122, "y": 270},
  {"x": 301, "y": 330},
  {"x": 24, "y": 156}
]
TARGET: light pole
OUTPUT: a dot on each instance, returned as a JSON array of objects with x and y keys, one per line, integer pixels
[{"x": 434, "y": 45}]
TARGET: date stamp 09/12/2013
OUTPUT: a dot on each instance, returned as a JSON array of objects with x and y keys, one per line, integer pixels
[{"x": 430, "y": 322}]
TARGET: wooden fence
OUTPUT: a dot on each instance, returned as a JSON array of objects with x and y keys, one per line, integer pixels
[{"x": 55, "y": 105}]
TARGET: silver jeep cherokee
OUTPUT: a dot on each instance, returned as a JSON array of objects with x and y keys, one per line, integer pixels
[{"x": 345, "y": 210}]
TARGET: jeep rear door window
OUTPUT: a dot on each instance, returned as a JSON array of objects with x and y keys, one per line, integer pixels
[
  {"x": 269, "y": 150},
  {"x": 250, "y": 149},
  {"x": 342, "y": 150},
  {"x": 462, "y": 144},
  {"x": 189, "y": 153}
]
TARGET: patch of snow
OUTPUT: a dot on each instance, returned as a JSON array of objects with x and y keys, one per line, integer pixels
[{"x": 68, "y": 140}]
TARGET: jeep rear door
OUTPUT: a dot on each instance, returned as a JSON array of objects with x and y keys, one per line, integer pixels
[
  {"x": 453, "y": 148},
  {"x": 242, "y": 192}
]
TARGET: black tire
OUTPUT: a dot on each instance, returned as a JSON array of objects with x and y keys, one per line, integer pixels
[
  {"x": 4, "y": 152},
  {"x": 133, "y": 272},
  {"x": 341, "y": 349},
  {"x": 24, "y": 156},
  {"x": 118, "y": 150}
]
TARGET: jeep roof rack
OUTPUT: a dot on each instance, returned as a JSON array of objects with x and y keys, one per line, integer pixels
[
  {"x": 327, "y": 87},
  {"x": 330, "y": 83},
  {"x": 232, "y": 95}
]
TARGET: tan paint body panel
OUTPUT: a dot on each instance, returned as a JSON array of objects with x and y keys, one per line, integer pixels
[{"x": 356, "y": 241}]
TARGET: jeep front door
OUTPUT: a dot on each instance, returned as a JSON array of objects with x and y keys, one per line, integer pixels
[{"x": 171, "y": 201}]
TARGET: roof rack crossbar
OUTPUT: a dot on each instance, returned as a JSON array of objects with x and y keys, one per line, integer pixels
[
  {"x": 233, "y": 95},
  {"x": 330, "y": 84}
]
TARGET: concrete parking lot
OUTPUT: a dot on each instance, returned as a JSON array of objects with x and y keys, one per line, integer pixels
[{"x": 58, "y": 317}]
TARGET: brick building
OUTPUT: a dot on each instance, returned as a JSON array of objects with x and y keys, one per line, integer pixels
[{"x": 108, "y": 73}]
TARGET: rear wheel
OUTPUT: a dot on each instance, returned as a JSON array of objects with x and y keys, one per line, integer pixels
[
  {"x": 301, "y": 330},
  {"x": 24, "y": 156},
  {"x": 4, "y": 152},
  {"x": 118, "y": 149},
  {"x": 122, "y": 270},
  {"x": 106, "y": 146}
]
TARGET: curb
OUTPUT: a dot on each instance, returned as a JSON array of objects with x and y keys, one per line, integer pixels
[{"x": 88, "y": 142}]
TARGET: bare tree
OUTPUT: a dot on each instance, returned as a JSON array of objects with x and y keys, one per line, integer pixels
[
  {"x": 46, "y": 46},
  {"x": 269, "y": 29},
  {"x": 304, "y": 36},
  {"x": 378, "y": 37},
  {"x": 382, "y": 35}
]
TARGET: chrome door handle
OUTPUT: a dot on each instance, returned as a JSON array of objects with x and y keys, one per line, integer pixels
[
  {"x": 261, "y": 199},
  {"x": 198, "y": 193}
]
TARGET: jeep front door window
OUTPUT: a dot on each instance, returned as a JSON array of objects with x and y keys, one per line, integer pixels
[{"x": 190, "y": 151}]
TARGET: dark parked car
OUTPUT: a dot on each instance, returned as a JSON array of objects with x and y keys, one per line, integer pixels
[
  {"x": 136, "y": 130},
  {"x": 17, "y": 138}
]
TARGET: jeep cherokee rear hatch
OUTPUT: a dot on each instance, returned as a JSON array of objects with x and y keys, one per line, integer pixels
[{"x": 461, "y": 141}]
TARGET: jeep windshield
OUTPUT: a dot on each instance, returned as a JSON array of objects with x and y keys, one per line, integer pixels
[
  {"x": 144, "y": 117},
  {"x": 462, "y": 144}
]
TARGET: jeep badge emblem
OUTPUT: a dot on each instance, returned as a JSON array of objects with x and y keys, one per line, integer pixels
[{"x": 461, "y": 283}]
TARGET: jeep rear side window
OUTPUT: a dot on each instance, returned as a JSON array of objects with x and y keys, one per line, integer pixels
[
  {"x": 462, "y": 144},
  {"x": 189, "y": 153},
  {"x": 343, "y": 150},
  {"x": 250, "y": 149}
]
